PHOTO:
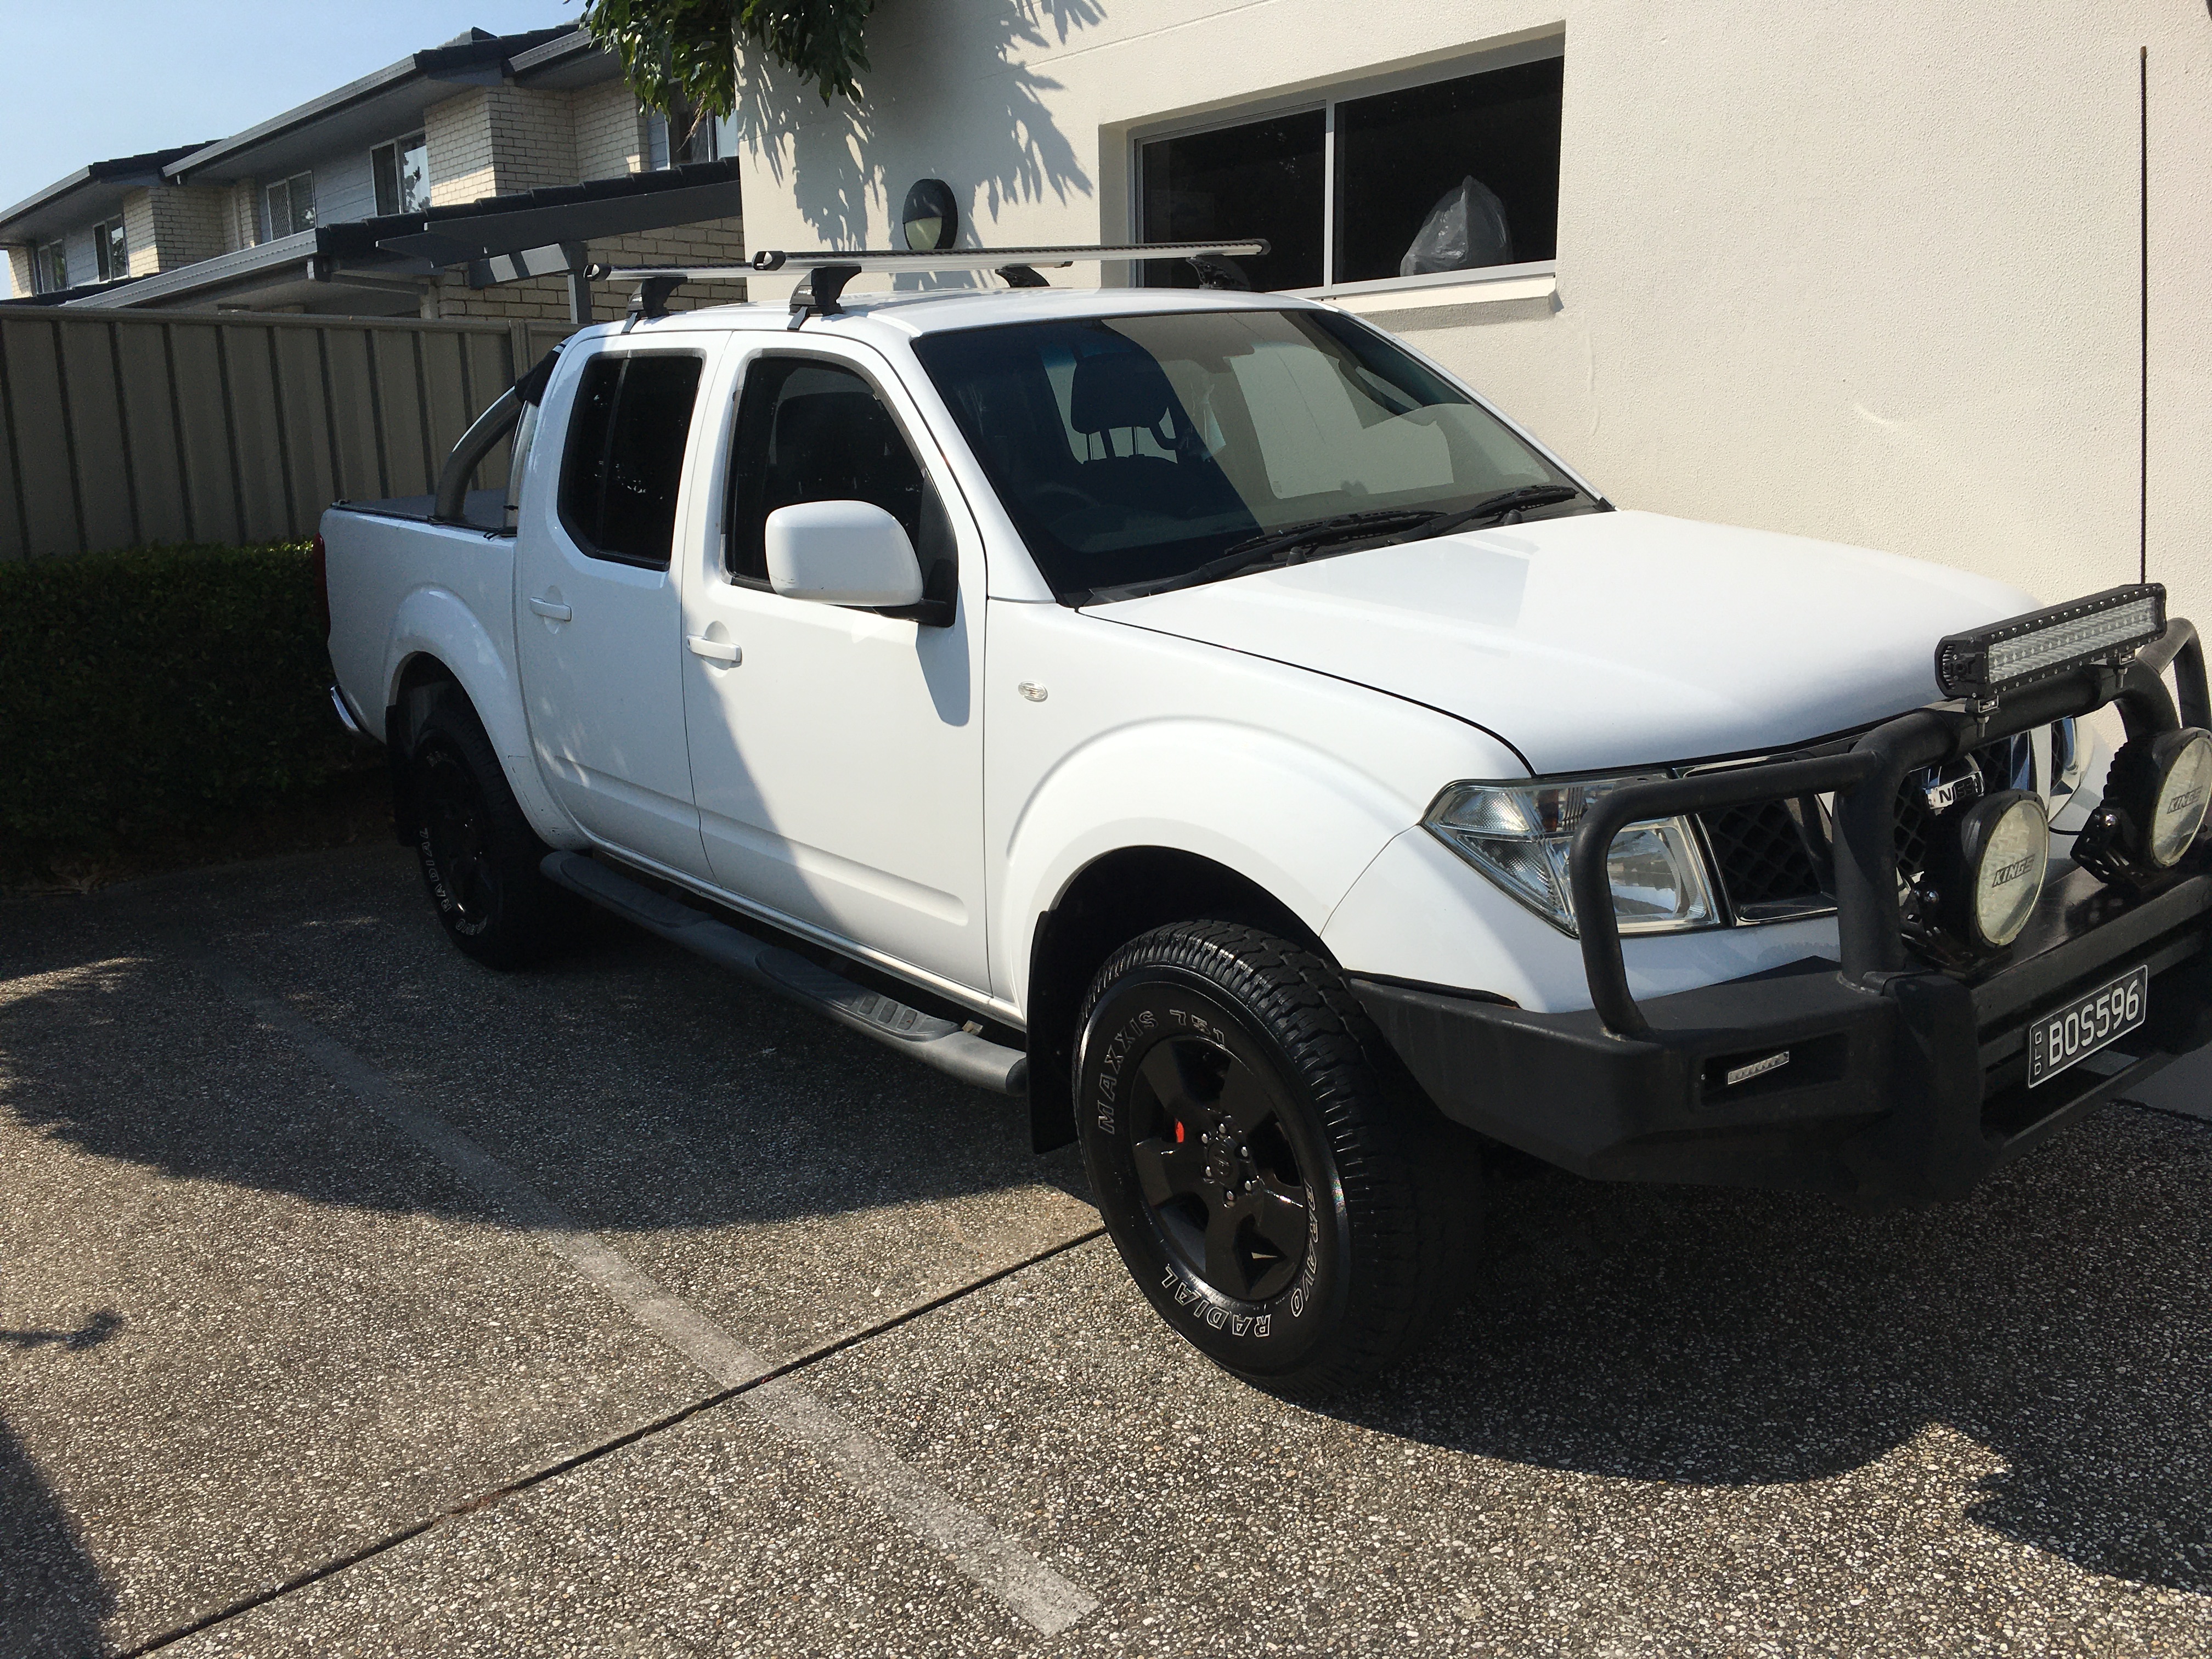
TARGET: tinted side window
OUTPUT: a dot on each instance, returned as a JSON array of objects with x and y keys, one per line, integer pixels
[
  {"x": 811, "y": 431},
  {"x": 625, "y": 456}
]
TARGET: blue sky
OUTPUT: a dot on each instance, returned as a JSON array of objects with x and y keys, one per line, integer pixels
[{"x": 91, "y": 79}]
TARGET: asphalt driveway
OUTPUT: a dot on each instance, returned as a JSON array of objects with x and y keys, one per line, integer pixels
[{"x": 355, "y": 1299}]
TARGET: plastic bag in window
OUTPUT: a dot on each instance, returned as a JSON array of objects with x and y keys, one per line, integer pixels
[{"x": 1466, "y": 228}]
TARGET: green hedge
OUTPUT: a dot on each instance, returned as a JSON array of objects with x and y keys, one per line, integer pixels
[{"x": 159, "y": 688}]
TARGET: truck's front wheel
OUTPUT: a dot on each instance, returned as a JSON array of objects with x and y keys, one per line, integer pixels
[
  {"x": 479, "y": 856},
  {"x": 1283, "y": 1200}
]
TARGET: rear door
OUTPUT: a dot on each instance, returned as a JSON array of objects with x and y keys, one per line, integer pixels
[
  {"x": 599, "y": 624},
  {"x": 837, "y": 753}
]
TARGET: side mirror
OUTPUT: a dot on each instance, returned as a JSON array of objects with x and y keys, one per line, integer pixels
[{"x": 841, "y": 553}]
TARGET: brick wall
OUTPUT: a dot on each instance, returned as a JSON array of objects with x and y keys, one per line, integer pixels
[
  {"x": 532, "y": 137},
  {"x": 241, "y": 215},
  {"x": 716, "y": 241},
  {"x": 19, "y": 272},
  {"x": 610, "y": 134},
  {"x": 459, "y": 134},
  {"x": 168, "y": 226}
]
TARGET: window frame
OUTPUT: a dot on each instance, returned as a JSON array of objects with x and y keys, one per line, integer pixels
[
  {"x": 107, "y": 235},
  {"x": 405, "y": 144},
  {"x": 291, "y": 212},
  {"x": 928, "y": 613},
  {"x": 52, "y": 279},
  {"x": 1497, "y": 55},
  {"x": 583, "y": 542}
]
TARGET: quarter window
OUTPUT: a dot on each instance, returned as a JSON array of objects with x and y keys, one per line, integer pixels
[
  {"x": 111, "y": 250},
  {"x": 403, "y": 175},
  {"x": 624, "y": 462},
  {"x": 291, "y": 205},
  {"x": 814, "y": 431},
  {"x": 1448, "y": 176}
]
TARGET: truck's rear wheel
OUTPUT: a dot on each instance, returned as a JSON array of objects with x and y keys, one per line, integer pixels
[
  {"x": 1282, "y": 1198},
  {"x": 479, "y": 856}
]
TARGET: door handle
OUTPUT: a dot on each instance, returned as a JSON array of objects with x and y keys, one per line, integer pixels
[
  {"x": 720, "y": 651},
  {"x": 551, "y": 610}
]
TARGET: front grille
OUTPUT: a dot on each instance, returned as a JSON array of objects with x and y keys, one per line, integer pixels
[{"x": 1764, "y": 864}]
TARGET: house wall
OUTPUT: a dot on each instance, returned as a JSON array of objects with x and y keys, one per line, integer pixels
[
  {"x": 241, "y": 215},
  {"x": 345, "y": 186},
  {"x": 169, "y": 226},
  {"x": 545, "y": 299},
  {"x": 610, "y": 134},
  {"x": 1862, "y": 271},
  {"x": 458, "y": 133},
  {"x": 19, "y": 272}
]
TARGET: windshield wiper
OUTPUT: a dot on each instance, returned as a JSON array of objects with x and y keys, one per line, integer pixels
[
  {"x": 1275, "y": 547},
  {"x": 1489, "y": 507}
]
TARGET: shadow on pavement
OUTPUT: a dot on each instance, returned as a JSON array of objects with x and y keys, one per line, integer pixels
[
  {"x": 637, "y": 1086},
  {"x": 52, "y": 1598},
  {"x": 2059, "y": 1318}
]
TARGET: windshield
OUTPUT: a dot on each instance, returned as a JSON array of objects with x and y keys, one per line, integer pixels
[{"x": 1133, "y": 452}]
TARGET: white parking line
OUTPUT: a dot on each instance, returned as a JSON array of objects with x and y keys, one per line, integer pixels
[{"x": 1028, "y": 1586}]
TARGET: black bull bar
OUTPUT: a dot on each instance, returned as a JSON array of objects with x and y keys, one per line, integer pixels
[{"x": 1905, "y": 1081}]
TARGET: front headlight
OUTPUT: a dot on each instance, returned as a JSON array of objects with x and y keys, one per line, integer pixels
[{"x": 1519, "y": 834}]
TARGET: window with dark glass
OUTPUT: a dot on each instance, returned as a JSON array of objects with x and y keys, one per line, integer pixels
[
  {"x": 49, "y": 267},
  {"x": 689, "y": 136},
  {"x": 814, "y": 431},
  {"x": 1455, "y": 174},
  {"x": 624, "y": 461},
  {"x": 1261, "y": 179},
  {"x": 402, "y": 169},
  {"x": 291, "y": 205},
  {"x": 111, "y": 250}
]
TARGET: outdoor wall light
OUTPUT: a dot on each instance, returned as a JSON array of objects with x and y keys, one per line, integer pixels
[{"x": 931, "y": 218}]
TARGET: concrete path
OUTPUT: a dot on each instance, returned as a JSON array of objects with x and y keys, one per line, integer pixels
[{"x": 354, "y": 1299}]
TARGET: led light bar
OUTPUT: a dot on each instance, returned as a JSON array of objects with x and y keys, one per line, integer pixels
[{"x": 2022, "y": 651}]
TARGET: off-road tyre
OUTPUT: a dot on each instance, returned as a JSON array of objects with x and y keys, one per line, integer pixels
[
  {"x": 1219, "y": 1070},
  {"x": 479, "y": 856}
]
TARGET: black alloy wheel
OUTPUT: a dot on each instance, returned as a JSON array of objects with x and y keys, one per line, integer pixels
[
  {"x": 1216, "y": 1165},
  {"x": 479, "y": 856},
  {"x": 1282, "y": 1196}
]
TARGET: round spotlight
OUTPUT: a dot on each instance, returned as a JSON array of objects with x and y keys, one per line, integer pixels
[
  {"x": 2154, "y": 802},
  {"x": 2183, "y": 760},
  {"x": 1996, "y": 867}
]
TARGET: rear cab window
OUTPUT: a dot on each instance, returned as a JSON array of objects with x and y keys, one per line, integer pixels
[{"x": 622, "y": 468}]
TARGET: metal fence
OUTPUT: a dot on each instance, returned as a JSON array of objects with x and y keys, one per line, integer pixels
[{"x": 116, "y": 430}]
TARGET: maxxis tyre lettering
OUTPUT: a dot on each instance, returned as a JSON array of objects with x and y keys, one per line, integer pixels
[{"x": 1259, "y": 1032}]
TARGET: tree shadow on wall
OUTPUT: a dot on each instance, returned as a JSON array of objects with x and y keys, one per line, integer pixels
[{"x": 995, "y": 132}]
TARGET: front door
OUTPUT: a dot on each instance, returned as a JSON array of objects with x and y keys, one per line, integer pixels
[
  {"x": 838, "y": 754},
  {"x": 598, "y": 627}
]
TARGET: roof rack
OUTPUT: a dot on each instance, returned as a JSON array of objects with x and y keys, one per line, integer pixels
[{"x": 825, "y": 274}]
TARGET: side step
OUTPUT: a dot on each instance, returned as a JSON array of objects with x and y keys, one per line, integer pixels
[{"x": 941, "y": 1042}]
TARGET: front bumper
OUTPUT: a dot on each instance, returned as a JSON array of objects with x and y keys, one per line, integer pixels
[{"x": 1905, "y": 1081}]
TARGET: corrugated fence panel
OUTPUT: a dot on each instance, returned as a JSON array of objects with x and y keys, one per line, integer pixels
[
  {"x": 37, "y": 423},
  {"x": 358, "y": 450},
  {"x": 400, "y": 401},
  {"x": 306, "y": 428},
  {"x": 150, "y": 420},
  {"x": 204, "y": 412},
  {"x": 175, "y": 426},
  {"x": 103, "y": 485}
]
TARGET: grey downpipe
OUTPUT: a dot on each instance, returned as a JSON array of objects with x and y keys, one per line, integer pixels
[{"x": 478, "y": 441}]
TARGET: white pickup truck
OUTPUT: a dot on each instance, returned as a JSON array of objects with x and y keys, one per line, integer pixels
[{"x": 1201, "y": 712}]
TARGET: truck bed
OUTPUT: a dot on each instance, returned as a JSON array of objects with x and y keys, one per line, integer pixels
[{"x": 483, "y": 509}]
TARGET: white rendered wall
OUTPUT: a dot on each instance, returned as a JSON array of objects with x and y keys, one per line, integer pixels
[{"x": 1857, "y": 269}]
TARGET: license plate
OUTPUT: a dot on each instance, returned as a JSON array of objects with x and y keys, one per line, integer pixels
[{"x": 2075, "y": 1032}]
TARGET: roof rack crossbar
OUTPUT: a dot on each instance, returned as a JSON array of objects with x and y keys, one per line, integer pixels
[{"x": 824, "y": 274}]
